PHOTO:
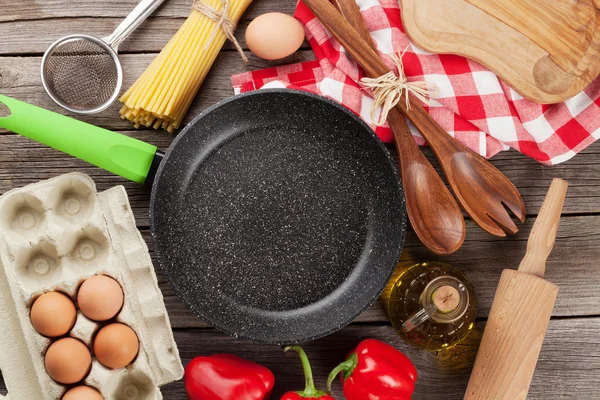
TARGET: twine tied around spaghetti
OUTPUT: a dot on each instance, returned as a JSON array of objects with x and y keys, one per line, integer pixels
[
  {"x": 389, "y": 88},
  {"x": 221, "y": 18}
]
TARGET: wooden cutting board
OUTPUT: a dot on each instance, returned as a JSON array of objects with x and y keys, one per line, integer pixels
[{"x": 547, "y": 50}]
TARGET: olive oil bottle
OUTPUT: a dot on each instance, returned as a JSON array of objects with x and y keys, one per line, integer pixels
[{"x": 432, "y": 305}]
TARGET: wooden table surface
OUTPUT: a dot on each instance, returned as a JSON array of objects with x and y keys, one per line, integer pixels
[{"x": 569, "y": 364}]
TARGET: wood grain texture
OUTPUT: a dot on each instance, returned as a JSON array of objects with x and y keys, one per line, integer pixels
[
  {"x": 561, "y": 28},
  {"x": 34, "y": 37},
  {"x": 482, "y": 257},
  {"x": 543, "y": 235},
  {"x": 27, "y": 10},
  {"x": 568, "y": 367},
  {"x": 554, "y": 46},
  {"x": 20, "y": 78},
  {"x": 530, "y": 177},
  {"x": 483, "y": 260},
  {"x": 512, "y": 338}
]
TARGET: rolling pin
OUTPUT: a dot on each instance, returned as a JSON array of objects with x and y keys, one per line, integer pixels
[{"x": 520, "y": 314}]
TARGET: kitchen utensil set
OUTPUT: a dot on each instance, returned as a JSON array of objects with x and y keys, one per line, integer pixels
[
  {"x": 269, "y": 193},
  {"x": 483, "y": 191},
  {"x": 223, "y": 221}
]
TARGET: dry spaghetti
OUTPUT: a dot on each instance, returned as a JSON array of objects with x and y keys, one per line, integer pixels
[{"x": 164, "y": 92}]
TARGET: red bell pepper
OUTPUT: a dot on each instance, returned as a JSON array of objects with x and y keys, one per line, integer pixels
[
  {"x": 309, "y": 392},
  {"x": 376, "y": 371},
  {"x": 227, "y": 377}
]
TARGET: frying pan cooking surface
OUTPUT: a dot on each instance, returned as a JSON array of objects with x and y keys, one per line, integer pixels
[{"x": 278, "y": 216}]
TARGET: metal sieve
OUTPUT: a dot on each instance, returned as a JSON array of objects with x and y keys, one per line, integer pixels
[{"x": 82, "y": 73}]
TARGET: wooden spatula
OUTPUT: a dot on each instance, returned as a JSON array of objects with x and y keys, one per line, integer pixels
[
  {"x": 520, "y": 314},
  {"x": 480, "y": 188}
]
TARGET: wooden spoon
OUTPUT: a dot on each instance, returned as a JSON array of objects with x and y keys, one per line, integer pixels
[
  {"x": 481, "y": 189},
  {"x": 433, "y": 212}
]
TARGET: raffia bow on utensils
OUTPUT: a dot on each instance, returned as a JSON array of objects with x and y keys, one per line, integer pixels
[
  {"x": 389, "y": 88},
  {"x": 223, "y": 22}
]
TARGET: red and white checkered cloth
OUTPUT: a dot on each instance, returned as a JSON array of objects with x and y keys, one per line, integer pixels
[{"x": 473, "y": 105}]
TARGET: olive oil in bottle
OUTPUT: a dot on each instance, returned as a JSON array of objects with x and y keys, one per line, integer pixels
[{"x": 432, "y": 306}]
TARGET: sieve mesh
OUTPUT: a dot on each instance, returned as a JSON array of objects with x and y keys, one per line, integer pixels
[{"x": 81, "y": 74}]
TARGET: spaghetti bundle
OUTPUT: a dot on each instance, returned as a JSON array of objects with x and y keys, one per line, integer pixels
[{"x": 163, "y": 93}]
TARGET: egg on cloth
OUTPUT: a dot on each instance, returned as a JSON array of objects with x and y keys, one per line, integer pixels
[
  {"x": 53, "y": 314},
  {"x": 116, "y": 345},
  {"x": 82, "y": 393},
  {"x": 68, "y": 361},
  {"x": 272, "y": 36},
  {"x": 100, "y": 298}
]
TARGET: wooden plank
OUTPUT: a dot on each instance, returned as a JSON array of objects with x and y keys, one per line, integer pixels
[
  {"x": 482, "y": 256},
  {"x": 567, "y": 368},
  {"x": 529, "y": 176},
  {"x": 35, "y": 36},
  {"x": 20, "y": 78},
  {"x": 18, "y": 10},
  {"x": 483, "y": 259}
]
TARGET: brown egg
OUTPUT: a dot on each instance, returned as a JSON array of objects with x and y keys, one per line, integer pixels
[
  {"x": 116, "y": 345},
  {"x": 68, "y": 361},
  {"x": 53, "y": 314},
  {"x": 82, "y": 393},
  {"x": 274, "y": 35},
  {"x": 100, "y": 298}
]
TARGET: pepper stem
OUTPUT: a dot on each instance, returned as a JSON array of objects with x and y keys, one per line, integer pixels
[
  {"x": 346, "y": 367},
  {"x": 309, "y": 384}
]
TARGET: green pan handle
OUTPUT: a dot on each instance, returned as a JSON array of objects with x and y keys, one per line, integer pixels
[{"x": 116, "y": 153}]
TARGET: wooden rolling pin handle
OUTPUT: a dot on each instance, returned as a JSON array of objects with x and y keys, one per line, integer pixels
[
  {"x": 520, "y": 314},
  {"x": 543, "y": 234}
]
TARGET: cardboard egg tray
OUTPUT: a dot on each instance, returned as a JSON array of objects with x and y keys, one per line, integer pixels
[{"x": 53, "y": 235}]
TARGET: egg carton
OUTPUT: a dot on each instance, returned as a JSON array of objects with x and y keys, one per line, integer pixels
[{"x": 53, "y": 235}]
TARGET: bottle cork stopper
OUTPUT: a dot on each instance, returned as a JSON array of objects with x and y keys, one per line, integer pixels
[{"x": 446, "y": 299}]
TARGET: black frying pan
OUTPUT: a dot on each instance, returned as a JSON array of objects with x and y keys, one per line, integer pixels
[{"x": 278, "y": 215}]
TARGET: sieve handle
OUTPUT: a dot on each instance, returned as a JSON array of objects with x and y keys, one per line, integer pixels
[
  {"x": 116, "y": 153},
  {"x": 133, "y": 20}
]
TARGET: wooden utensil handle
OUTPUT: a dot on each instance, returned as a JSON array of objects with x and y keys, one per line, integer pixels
[
  {"x": 348, "y": 37},
  {"x": 354, "y": 36},
  {"x": 417, "y": 114},
  {"x": 543, "y": 233},
  {"x": 351, "y": 12}
]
